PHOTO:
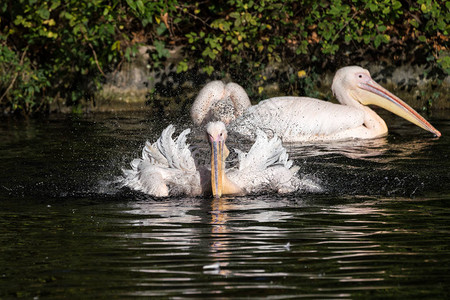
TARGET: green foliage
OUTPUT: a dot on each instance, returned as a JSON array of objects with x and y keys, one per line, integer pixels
[
  {"x": 21, "y": 81},
  {"x": 64, "y": 49},
  {"x": 244, "y": 35},
  {"x": 69, "y": 46}
]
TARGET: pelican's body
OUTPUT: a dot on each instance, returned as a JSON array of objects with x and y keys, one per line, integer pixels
[
  {"x": 217, "y": 101},
  {"x": 296, "y": 119},
  {"x": 168, "y": 168}
]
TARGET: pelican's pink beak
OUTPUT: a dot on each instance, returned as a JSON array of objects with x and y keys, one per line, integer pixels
[
  {"x": 381, "y": 97},
  {"x": 217, "y": 171}
]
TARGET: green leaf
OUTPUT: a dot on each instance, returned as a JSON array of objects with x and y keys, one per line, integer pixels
[
  {"x": 140, "y": 6},
  {"x": 161, "y": 50},
  {"x": 396, "y": 5},
  {"x": 377, "y": 41},
  {"x": 235, "y": 15},
  {"x": 414, "y": 23},
  {"x": 43, "y": 13},
  {"x": 55, "y": 4},
  {"x": 132, "y": 4},
  {"x": 161, "y": 29},
  {"x": 373, "y": 7},
  {"x": 182, "y": 67},
  {"x": 444, "y": 62},
  {"x": 208, "y": 69},
  {"x": 68, "y": 16},
  {"x": 127, "y": 53}
]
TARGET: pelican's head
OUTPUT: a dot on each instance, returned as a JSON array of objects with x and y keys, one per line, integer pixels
[
  {"x": 354, "y": 84},
  {"x": 217, "y": 134}
]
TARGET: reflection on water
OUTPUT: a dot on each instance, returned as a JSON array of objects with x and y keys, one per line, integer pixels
[
  {"x": 219, "y": 246},
  {"x": 315, "y": 247},
  {"x": 381, "y": 230},
  {"x": 377, "y": 150}
]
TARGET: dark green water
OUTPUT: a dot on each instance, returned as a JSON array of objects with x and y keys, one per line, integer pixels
[{"x": 380, "y": 231}]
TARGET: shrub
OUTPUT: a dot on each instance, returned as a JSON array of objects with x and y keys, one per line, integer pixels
[{"x": 65, "y": 49}]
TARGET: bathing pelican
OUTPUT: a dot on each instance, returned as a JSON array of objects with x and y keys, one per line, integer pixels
[
  {"x": 296, "y": 119},
  {"x": 168, "y": 167},
  {"x": 219, "y": 102}
]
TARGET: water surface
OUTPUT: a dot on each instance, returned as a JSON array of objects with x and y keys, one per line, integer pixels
[{"x": 380, "y": 230}]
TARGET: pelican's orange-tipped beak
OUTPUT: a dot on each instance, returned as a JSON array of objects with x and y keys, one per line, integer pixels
[
  {"x": 381, "y": 97},
  {"x": 217, "y": 170}
]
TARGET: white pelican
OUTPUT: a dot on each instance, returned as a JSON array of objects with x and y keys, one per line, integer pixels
[
  {"x": 168, "y": 167},
  {"x": 219, "y": 102},
  {"x": 296, "y": 119}
]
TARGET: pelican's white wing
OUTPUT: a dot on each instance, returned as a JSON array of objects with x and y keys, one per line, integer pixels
[
  {"x": 176, "y": 152},
  {"x": 166, "y": 167},
  {"x": 263, "y": 154},
  {"x": 239, "y": 97},
  {"x": 209, "y": 94},
  {"x": 297, "y": 119},
  {"x": 266, "y": 167}
]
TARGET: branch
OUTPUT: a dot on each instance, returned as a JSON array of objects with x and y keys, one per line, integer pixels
[
  {"x": 195, "y": 17},
  {"x": 15, "y": 76},
  {"x": 343, "y": 27},
  {"x": 93, "y": 52}
]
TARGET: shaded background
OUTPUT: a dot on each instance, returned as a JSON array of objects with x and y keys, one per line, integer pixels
[{"x": 103, "y": 55}]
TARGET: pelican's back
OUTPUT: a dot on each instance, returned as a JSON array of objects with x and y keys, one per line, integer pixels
[
  {"x": 297, "y": 118},
  {"x": 219, "y": 102}
]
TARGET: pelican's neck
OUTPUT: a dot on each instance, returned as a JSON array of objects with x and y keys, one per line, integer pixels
[
  {"x": 374, "y": 122},
  {"x": 229, "y": 187},
  {"x": 346, "y": 97}
]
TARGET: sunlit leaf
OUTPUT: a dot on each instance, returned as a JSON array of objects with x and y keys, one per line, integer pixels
[{"x": 43, "y": 13}]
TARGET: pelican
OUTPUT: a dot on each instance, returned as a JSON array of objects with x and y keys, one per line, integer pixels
[
  {"x": 296, "y": 119},
  {"x": 168, "y": 167},
  {"x": 219, "y": 102}
]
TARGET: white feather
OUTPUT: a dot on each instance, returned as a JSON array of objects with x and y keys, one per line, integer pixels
[
  {"x": 263, "y": 153},
  {"x": 297, "y": 118},
  {"x": 219, "y": 102},
  {"x": 151, "y": 153},
  {"x": 266, "y": 167},
  {"x": 168, "y": 168}
]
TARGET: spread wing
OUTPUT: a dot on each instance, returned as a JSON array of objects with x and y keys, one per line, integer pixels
[
  {"x": 267, "y": 167},
  {"x": 263, "y": 154},
  {"x": 175, "y": 152},
  {"x": 166, "y": 167}
]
